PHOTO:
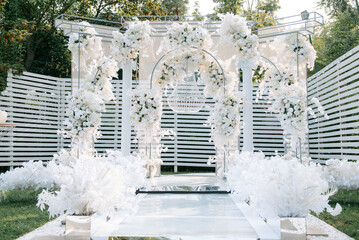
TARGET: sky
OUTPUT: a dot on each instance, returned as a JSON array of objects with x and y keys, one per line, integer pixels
[{"x": 288, "y": 7}]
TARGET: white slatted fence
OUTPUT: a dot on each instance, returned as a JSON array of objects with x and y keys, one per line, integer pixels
[
  {"x": 336, "y": 86},
  {"x": 36, "y": 104}
]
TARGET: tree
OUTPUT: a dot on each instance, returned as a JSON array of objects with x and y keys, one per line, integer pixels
[
  {"x": 335, "y": 7},
  {"x": 229, "y": 6},
  {"x": 255, "y": 10},
  {"x": 29, "y": 40},
  {"x": 196, "y": 12},
  {"x": 339, "y": 35},
  {"x": 175, "y": 7}
]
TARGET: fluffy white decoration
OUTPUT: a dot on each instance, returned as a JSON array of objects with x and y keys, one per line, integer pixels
[
  {"x": 234, "y": 30},
  {"x": 289, "y": 46},
  {"x": 184, "y": 36},
  {"x": 277, "y": 186},
  {"x": 337, "y": 210},
  {"x": 319, "y": 106},
  {"x": 100, "y": 184},
  {"x": 224, "y": 120},
  {"x": 3, "y": 117},
  {"x": 342, "y": 173},
  {"x": 34, "y": 175},
  {"x": 126, "y": 46}
]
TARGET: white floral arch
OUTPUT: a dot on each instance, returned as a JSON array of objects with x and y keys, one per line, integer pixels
[{"x": 289, "y": 54}]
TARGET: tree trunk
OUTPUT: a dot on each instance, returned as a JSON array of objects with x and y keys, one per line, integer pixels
[{"x": 30, "y": 53}]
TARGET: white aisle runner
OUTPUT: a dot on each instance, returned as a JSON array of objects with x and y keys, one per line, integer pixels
[{"x": 184, "y": 215}]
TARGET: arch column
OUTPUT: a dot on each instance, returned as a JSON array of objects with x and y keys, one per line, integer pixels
[
  {"x": 126, "y": 105},
  {"x": 247, "y": 108}
]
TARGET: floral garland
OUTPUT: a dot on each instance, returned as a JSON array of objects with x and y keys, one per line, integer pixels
[
  {"x": 146, "y": 111},
  {"x": 173, "y": 68},
  {"x": 224, "y": 120},
  {"x": 186, "y": 36},
  {"x": 87, "y": 104},
  {"x": 215, "y": 80},
  {"x": 234, "y": 30},
  {"x": 292, "y": 109},
  {"x": 126, "y": 46},
  {"x": 289, "y": 46},
  {"x": 86, "y": 48},
  {"x": 102, "y": 83}
]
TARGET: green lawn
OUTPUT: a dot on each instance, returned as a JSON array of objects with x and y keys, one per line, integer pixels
[
  {"x": 19, "y": 214},
  {"x": 348, "y": 220}
]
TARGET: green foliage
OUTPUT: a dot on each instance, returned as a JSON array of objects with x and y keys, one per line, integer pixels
[
  {"x": 196, "y": 12},
  {"x": 339, "y": 35},
  {"x": 29, "y": 40},
  {"x": 257, "y": 11},
  {"x": 335, "y": 7},
  {"x": 347, "y": 221},
  {"x": 175, "y": 7},
  {"x": 19, "y": 214},
  {"x": 266, "y": 10},
  {"x": 229, "y": 6}
]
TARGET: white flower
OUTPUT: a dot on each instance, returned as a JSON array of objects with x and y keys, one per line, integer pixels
[
  {"x": 184, "y": 36},
  {"x": 234, "y": 30},
  {"x": 146, "y": 111},
  {"x": 127, "y": 46},
  {"x": 224, "y": 120},
  {"x": 289, "y": 46},
  {"x": 3, "y": 117}
]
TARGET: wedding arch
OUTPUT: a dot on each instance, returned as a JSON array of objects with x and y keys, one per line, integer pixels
[{"x": 281, "y": 52}]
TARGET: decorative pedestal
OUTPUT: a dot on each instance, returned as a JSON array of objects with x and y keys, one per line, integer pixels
[
  {"x": 293, "y": 228},
  {"x": 78, "y": 227}
]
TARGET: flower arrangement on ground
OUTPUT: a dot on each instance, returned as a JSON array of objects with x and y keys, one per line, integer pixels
[
  {"x": 90, "y": 186},
  {"x": 279, "y": 187},
  {"x": 342, "y": 174},
  {"x": 83, "y": 186}
]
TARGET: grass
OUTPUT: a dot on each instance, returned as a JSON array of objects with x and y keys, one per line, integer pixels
[
  {"x": 348, "y": 221},
  {"x": 19, "y": 214}
]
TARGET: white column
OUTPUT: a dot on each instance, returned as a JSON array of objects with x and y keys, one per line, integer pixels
[
  {"x": 126, "y": 104},
  {"x": 247, "y": 109}
]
